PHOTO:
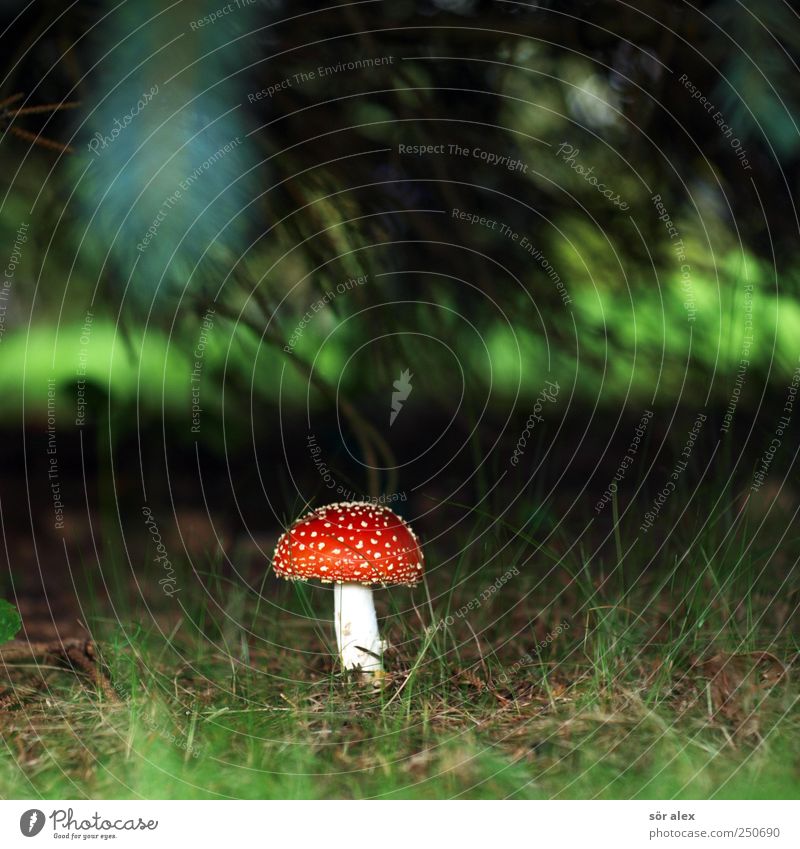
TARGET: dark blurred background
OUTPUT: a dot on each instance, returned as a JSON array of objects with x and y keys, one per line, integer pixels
[{"x": 267, "y": 255}]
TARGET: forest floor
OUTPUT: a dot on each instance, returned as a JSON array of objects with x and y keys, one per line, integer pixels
[{"x": 542, "y": 672}]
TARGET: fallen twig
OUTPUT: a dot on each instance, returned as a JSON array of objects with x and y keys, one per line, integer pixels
[{"x": 79, "y": 655}]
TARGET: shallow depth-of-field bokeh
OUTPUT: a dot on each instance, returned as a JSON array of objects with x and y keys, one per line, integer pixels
[{"x": 527, "y": 274}]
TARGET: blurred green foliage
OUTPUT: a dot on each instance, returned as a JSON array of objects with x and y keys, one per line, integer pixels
[
  {"x": 332, "y": 197},
  {"x": 10, "y": 621}
]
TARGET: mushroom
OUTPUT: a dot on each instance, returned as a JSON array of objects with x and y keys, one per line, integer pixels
[{"x": 355, "y": 545}]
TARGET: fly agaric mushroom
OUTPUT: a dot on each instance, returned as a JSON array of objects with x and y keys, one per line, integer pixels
[{"x": 356, "y": 545}]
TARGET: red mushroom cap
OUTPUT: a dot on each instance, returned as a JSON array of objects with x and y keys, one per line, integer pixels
[{"x": 350, "y": 542}]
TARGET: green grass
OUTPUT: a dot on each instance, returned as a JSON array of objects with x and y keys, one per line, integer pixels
[{"x": 666, "y": 680}]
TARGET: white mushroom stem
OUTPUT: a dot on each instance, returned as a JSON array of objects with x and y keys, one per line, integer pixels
[{"x": 360, "y": 645}]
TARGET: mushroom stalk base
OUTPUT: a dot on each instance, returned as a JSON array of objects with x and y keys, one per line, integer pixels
[{"x": 360, "y": 645}]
